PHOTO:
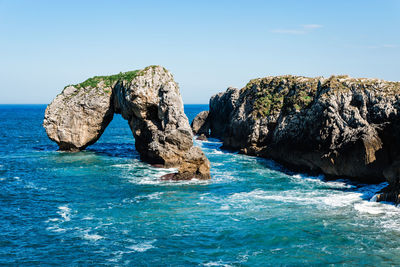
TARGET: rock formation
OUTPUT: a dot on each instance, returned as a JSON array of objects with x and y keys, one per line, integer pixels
[
  {"x": 200, "y": 124},
  {"x": 340, "y": 126},
  {"x": 148, "y": 99}
]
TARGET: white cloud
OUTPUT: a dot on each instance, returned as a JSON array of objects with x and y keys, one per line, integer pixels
[
  {"x": 381, "y": 46},
  {"x": 288, "y": 31},
  {"x": 390, "y": 46},
  {"x": 312, "y": 26},
  {"x": 376, "y": 46},
  {"x": 303, "y": 29}
]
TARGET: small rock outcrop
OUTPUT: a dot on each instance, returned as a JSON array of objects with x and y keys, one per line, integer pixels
[
  {"x": 200, "y": 124},
  {"x": 221, "y": 106},
  {"x": 148, "y": 99},
  {"x": 340, "y": 126}
]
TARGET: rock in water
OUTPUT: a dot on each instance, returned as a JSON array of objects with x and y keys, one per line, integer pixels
[
  {"x": 340, "y": 126},
  {"x": 79, "y": 115},
  {"x": 148, "y": 99},
  {"x": 202, "y": 137},
  {"x": 200, "y": 124}
]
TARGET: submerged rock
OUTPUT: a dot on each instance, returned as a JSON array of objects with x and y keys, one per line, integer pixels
[
  {"x": 340, "y": 126},
  {"x": 202, "y": 137},
  {"x": 148, "y": 99}
]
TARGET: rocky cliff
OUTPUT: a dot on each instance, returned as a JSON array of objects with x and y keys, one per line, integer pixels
[
  {"x": 340, "y": 126},
  {"x": 148, "y": 99}
]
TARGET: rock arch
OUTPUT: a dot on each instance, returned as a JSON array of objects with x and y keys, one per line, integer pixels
[{"x": 148, "y": 99}]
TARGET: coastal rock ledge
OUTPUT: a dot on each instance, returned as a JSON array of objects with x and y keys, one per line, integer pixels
[
  {"x": 340, "y": 126},
  {"x": 148, "y": 99}
]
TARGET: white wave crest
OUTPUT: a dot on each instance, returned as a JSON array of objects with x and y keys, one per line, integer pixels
[
  {"x": 155, "y": 195},
  {"x": 336, "y": 199},
  {"x": 320, "y": 180},
  {"x": 92, "y": 237},
  {"x": 143, "y": 246},
  {"x": 65, "y": 213},
  {"x": 30, "y": 185},
  {"x": 216, "y": 263},
  {"x": 55, "y": 229},
  {"x": 372, "y": 208}
]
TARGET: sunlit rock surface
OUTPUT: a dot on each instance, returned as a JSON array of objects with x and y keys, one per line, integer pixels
[
  {"x": 148, "y": 99},
  {"x": 340, "y": 126}
]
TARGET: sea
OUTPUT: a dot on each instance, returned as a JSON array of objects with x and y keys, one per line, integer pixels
[{"x": 104, "y": 207}]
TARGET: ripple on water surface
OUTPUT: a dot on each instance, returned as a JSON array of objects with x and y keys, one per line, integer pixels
[{"x": 104, "y": 206}]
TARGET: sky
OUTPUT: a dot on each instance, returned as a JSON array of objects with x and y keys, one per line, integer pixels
[{"x": 207, "y": 45}]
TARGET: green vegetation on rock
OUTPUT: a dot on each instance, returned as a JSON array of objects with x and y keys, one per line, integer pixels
[
  {"x": 267, "y": 103},
  {"x": 273, "y": 95},
  {"x": 340, "y": 83},
  {"x": 104, "y": 84},
  {"x": 110, "y": 80},
  {"x": 287, "y": 93}
]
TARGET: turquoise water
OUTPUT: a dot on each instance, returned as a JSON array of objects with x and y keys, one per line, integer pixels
[{"x": 105, "y": 207}]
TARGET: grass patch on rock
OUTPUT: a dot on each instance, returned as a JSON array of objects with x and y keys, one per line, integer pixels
[
  {"x": 282, "y": 93},
  {"x": 110, "y": 80}
]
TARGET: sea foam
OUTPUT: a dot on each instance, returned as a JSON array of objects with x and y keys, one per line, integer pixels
[
  {"x": 92, "y": 237},
  {"x": 143, "y": 246},
  {"x": 65, "y": 213}
]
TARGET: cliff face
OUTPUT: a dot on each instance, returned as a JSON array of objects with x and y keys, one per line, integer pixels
[
  {"x": 341, "y": 126},
  {"x": 148, "y": 99}
]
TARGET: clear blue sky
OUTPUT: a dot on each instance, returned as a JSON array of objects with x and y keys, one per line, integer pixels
[{"x": 208, "y": 45}]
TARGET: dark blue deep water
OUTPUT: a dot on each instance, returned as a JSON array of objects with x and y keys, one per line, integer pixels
[{"x": 105, "y": 207}]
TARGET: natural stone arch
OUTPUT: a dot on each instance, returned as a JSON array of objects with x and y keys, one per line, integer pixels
[{"x": 148, "y": 99}]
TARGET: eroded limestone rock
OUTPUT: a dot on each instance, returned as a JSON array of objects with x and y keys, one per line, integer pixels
[
  {"x": 148, "y": 99},
  {"x": 341, "y": 126},
  {"x": 78, "y": 116},
  {"x": 200, "y": 124}
]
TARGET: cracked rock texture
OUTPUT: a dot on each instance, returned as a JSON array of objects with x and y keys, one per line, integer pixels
[
  {"x": 148, "y": 99},
  {"x": 200, "y": 124},
  {"x": 340, "y": 126}
]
